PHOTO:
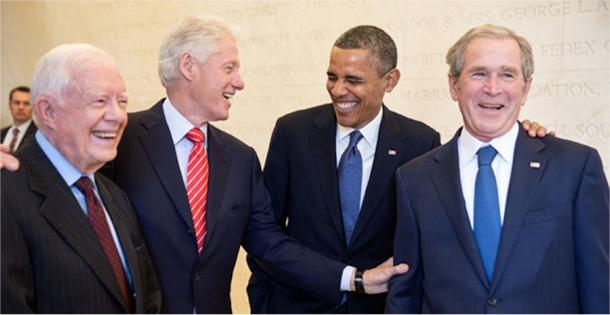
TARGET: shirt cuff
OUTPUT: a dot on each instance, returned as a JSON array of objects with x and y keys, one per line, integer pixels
[{"x": 346, "y": 278}]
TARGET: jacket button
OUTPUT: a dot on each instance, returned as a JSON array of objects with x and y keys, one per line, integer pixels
[
  {"x": 347, "y": 259},
  {"x": 492, "y": 301},
  {"x": 196, "y": 277}
]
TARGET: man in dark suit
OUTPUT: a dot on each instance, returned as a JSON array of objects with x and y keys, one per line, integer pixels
[
  {"x": 23, "y": 127},
  {"x": 70, "y": 239},
  {"x": 302, "y": 172},
  {"x": 198, "y": 66},
  {"x": 524, "y": 232}
]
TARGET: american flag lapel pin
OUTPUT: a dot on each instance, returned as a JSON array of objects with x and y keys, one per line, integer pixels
[
  {"x": 391, "y": 152},
  {"x": 534, "y": 164}
]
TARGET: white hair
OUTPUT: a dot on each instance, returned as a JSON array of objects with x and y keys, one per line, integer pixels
[
  {"x": 54, "y": 70},
  {"x": 200, "y": 35}
]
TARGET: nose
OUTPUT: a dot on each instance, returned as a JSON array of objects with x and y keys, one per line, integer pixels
[
  {"x": 115, "y": 112},
  {"x": 238, "y": 82},
  {"x": 492, "y": 85},
  {"x": 338, "y": 89}
]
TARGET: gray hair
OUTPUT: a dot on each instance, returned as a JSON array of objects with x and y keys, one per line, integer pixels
[
  {"x": 384, "y": 55},
  {"x": 54, "y": 71},
  {"x": 200, "y": 35},
  {"x": 455, "y": 56}
]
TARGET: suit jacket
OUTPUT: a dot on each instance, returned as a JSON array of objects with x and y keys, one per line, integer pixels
[
  {"x": 301, "y": 176},
  {"x": 28, "y": 134},
  {"x": 52, "y": 260},
  {"x": 553, "y": 251},
  {"x": 238, "y": 213}
]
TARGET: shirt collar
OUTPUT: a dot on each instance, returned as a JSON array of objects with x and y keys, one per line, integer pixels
[
  {"x": 370, "y": 132},
  {"x": 505, "y": 145},
  {"x": 67, "y": 171},
  {"x": 178, "y": 125}
]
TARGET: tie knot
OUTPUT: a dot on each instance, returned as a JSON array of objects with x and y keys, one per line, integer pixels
[
  {"x": 84, "y": 184},
  {"x": 486, "y": 155},
  {"x": 15, "y": 132},
  {"x": 195, "y": 135},
  {"x": 354, "y": 138}
]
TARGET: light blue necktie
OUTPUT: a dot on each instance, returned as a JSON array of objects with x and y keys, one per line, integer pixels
[
  {"x": 350, "y": 181},
  {"x": 487, "y": 225}
]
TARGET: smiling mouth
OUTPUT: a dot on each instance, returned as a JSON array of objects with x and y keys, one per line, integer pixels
[
  {"x": 105, "y": 135},
  {"x": 346, "y": 105},
  {"x": 227, "y": 95},
  {"x": 492, "y": 106}
]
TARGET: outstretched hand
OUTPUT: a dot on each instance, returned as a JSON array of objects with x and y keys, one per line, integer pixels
[
  {"x": 376, "y": 280},
  {"x": 534, "y": 129},
  {"x": 7, "y": 160}
]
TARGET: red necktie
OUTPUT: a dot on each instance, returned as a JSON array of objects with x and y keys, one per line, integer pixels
[
  {"x": 197, "y": 184},
  {"x": 14, "y": 141},
  {"x": 97, "y": 218}
]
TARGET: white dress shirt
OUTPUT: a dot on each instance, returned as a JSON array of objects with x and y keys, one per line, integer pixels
[{"x": 502, "y": 166}]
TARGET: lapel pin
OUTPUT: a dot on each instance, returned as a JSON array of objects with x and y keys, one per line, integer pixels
[
  {"x": 391, "y": 152},
  {"x": 535, "y": 164}
]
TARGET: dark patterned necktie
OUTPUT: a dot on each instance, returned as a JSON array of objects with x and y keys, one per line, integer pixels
[{"x": 100, "y": 226}]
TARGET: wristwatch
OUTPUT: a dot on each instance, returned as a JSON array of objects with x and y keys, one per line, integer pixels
[{"x": 358, "y": 282}]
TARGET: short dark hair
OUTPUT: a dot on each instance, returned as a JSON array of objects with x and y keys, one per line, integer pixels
[
  {"x": 22, "y": 88},
  {"x": 377, "y": 41}
]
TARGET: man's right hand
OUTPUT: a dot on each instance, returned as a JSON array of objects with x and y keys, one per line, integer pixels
[
  {"x": 7, "y": 160},
  {"x": 376, "y": 279}
]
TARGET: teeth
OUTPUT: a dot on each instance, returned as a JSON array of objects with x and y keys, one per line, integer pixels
[
  {"x": 346, "y": 105},
  {"x": 104, "y": 135},
  {"x": 227, "y": 95},
  {"x": 496, "y": 106}
]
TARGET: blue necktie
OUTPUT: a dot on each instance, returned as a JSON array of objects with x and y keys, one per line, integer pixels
[
  {"x": 350, "y": 181},
  {"x": 487, "y": 225}
]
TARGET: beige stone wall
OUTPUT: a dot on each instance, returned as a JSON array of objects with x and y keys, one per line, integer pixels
[{"x": 285, "y": 48}]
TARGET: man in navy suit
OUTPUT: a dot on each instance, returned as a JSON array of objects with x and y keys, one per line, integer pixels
[
  {"x": 67, "y": 249},
  {"x": 198, "y": 66},
  {"x": 23, "y": 127},
  {"x": 301, "y": 172},
  {"x": 539, "y": 243}
]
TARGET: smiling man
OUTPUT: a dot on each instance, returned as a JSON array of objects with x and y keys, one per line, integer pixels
[
  {"x": 495, "y": 221},
  {"x": 301, "y": 172},
  {"x": 71, "y": 242}
]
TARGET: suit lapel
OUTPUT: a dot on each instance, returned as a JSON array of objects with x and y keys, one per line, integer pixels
[
  {"x": 157, "y": 138},
  {"x": 446, "y": 177},
  {"x": 31, "y": 130},
  {"x": 219, "y": 161},
  {"x": 384, "y": 168},
  {"x": 322, "y": 148},
  {"x": 524, "y": 180},
  {"x": 63, "y": 212}
]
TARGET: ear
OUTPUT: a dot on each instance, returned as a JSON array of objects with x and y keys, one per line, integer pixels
[
  {"x": 392, "y": 79},
  {"x": 187, "y": 65},
  {"x": 453, "y": 87},
  {"x": 46, "y": 110}
]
